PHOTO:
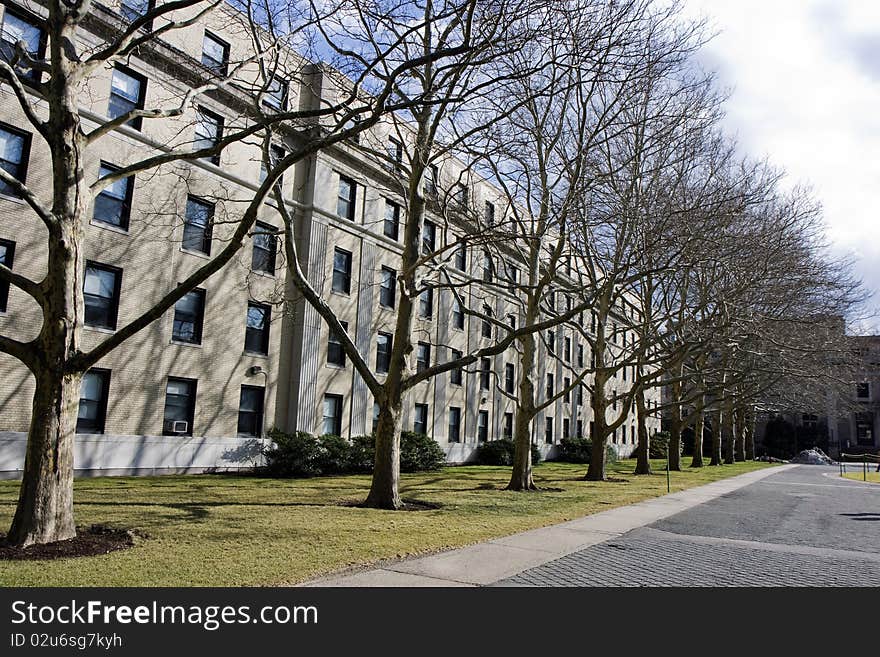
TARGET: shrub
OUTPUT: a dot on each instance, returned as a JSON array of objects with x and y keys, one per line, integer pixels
[
  {"x": 334, "y": 455},
  {"x": 294, "y": 455},
  {"x": 501, "y": 452},
  {"x": 578, "y": 450},
  {"x": 420, "y": 453},
  {"x": 362, "y": 454},
  {"x": 657, "y": 445}
]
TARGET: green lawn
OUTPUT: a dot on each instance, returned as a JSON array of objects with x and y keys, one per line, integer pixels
[
  {"x": 214, "y": 530},
  {"x": 859, "y": 476}
]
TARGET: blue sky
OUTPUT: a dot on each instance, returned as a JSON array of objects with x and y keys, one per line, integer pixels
[{"x": 805, "y": 79}]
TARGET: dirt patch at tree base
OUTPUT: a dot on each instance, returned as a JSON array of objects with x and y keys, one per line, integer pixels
[
  {"x": 408, "y": 505},
  {"x": 88, "y": 542}
]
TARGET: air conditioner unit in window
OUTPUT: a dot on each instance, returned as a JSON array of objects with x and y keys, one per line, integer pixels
[{"x": 179, "y": 426}]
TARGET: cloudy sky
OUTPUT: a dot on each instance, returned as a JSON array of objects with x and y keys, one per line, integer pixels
[{"x": 805, "y": 80}]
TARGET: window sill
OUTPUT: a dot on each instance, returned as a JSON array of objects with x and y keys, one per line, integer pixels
[
  {"x": 345, "y": 295},
  {"x": 199, "y": 254},
  {"x": 111, "y": 227},
  {"x": 100, "y": 329},
  {"x": 14, "y": 199},
  {"x": 255, "y": 354},
  {"x": 336, "y": 366},
  {"x": 264, "y": 274},
  {"x": 178, "y": 343}
]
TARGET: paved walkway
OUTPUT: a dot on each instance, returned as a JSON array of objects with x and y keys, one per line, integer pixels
[{"x": 518, "y": 560}]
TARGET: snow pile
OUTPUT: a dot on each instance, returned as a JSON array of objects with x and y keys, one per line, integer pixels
[{"x": 813, "y": 456}]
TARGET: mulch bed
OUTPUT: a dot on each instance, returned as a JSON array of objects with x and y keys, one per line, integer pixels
[{"x": 88, "y": 542}]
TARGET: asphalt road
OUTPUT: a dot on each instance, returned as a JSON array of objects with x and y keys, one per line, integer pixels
[{"x": 801, "y": 527}]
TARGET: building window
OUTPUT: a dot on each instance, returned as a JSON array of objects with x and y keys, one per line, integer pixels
[
  {"x": 189, "y": 314},
  {"x": 429, "y": 237},
  {"x": 269, "y": 161},
  {"x": 454, "y": 435},
  {"x": 215, "y": 54},
  {"x": 250, "y": 411},
  {"x": 580, "y": 355},
  {"x": 7, "y": 256},
  {"x": 332, "y": 421},
  {"x": 375, "y": 417},
  {"x": 488, "y": 267},
  {"x": 198, "y": 226},
  {"x": 335, "y": 352},
  {"x": 461, "y": 257},
  {"x": 387, "y": 287},
  {"x": 486, "y": 323},
  {"x": 863, "y": 391},
  {"x": 127, "y": 93},
  {"x": 256, "y": 335},
  {"x": 623, "y": 434},
  {"x": 614, "y": 400},
  {"x": 457, "y": 315},
  {"x": 580, "y": 394},
  {"x": 509, "y": 382},
  {"x": 426, "y": 303},
  {"x": 131, "y": 10},
  {"x": 209, "y": 132},
  {"x": 113, "y": 204},
  {"x": 275, "y": 95},
  {"x": 489, "y": 214},
  {"x": 180, "y": 407},
  {"x": 548, "y": 430},
  {"x": 566, "y": 396},
  {"x": 512, "y": 277},
  {"x": 461, "y": 195},
  {"x": 550, "y": 386},
  {"x": 395, "y": 154},
  {"x": 265, "y": 248},
  {"x": 15, "y": 149},
  {"x": 17, "y": 28},
  {"x": 101, "y": 295},
  {"x": 483, "y": 426},
  {"x": 623, "y": 370},
  {"x": 566, "y": 350},
  {"x": 507, "y": 432},
  {"x": 391, "y": 226},
  {"x": 511, "y": 322},
  {"x": 93, "y": 401},
  {"x": 551, "y": 343},
  {"x": 420, "y": 421},
  {"x": 383, "y": 352},
  {"x": 485, "y": 373},
  {"x": 455, "y": 375},
  {"x": 566, "y": 423},
  {"x": 429, "y": 181},
  {"x": 347, "y": 198},
  {"x": 423, "y": 356},
  {"x": 341, "y": 271}
]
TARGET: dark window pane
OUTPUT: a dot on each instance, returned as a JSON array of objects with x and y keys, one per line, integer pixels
[
  {"x": 101, "y": 295},
  {"x": 332, "y": 421},
  {"x": 16, "y": 28},
  {"x": 335, "y": 352},
  {"x": 250, "y": 411},
  {"x": 180, "y": 405},
  {"x": 383, "y": 352},
  {"x": 7, "y": 257},
  {"x": 93, "y": 401},
  {"x": 188, "y": 317},
  {"x": 215, "y": 54},
  {"x": 387, "y": 287},
  {"x": 197, "y": 226},
  {"x": 256, "y": 338},
  {"x": 265, "y": 244},
  {"x": 341, "y": 271},
  {"x": 113, "y": 204},
  {"x": 391, "y": 224},
  {"x": 346, "y": 199},
  {"x": 126, "y": 94},
  {"x": 209, "y": 132},
  {"x": 14, "y": 147}
]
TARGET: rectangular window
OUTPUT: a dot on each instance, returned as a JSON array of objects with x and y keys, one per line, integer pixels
[
  {"x": 863, "y": 391},
  {"x": 454, "y": 435},
  {"x": 18, "y": 28},
  {"x": 426, "y": 303},
  {"x": 335, "y": 352},
  {"x": 461, "y": 196},
  {"x": 429, "y": 237},
  {"x": 550, "y": 386},
  {"x": 395, "y": 154},
  {"x": 486, "y": 324},
  {"x": 509, "y": 378},
  {"x": 623, "y": 369},
  {"x": 508, "y": 426},
  {"x": 485, "y": 373},
  {"x": 580, "y": 355},
  {"x": 113, "y": 204},
  {"x": 15, "y": 147},
  {"x": 341, "y": 271},
  {"x": 101, "y": 295},
  {"x": 275, "y": 95},
  {"x": 256, "y": 335},
  {"x": 180, "y": 407},
  {"x": 346, "y": 198},
  {"x": 332, "y": 420},
  {"x": 551, "y": 343},
  {"x": 131, "y": 10},
  {"x": 614, "y": 400},
  {"x": 511, "y": 322},
  {"x": 457, "y": 315},
  {"x": 566, "y": 396},
  {"x": 209, "y": 132},
  {"x": 461, "y": 257},
  {"x": 127, "y": 93},
  {"x": 455, "y": 375},
  {"x": 580, "y": 428},
  {"x": 375, "y": 417},
  {"x": 93, "y": 401},
  {"x": 429, "y": 182},
  {"x": 189, "y": 314},
  {"x": 387, "y": 287},
  {"x": 198, "y": 226},
  {"x": 383, "y": 352},
  {"x": 420, "y": 421},
  {"x": 580, "y": 395},
  {"x": 391, "y": 225},
  {"x": 489, "y": 214},
  {"x": 250, "y": 411},
  {"x": 566, "y": 423},
  {"x": 423, "y": 356},
  {"x": 269, "y": 161},
  {"x": 265, "y": 248},
  {"x": 483, "y": 426},
  {"x": 548, "y": 430},
  {"x": 488, "y": 267},
  {"x": 512, "y": 277},
  {"x": 7, "y": 256},
  {"x": 215, "y": 54},
  {"x": 566, "y": 350}
]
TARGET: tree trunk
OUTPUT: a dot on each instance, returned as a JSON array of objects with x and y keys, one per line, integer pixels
[
  {"x": 386, "y": 467},
  {"x": 596, "y": 471},
  {"x": 643, "y": 450},
  {"x": 728, "y": 431},
  {"x": 749, "y": 430},
  {"x": 521, "y": 474},
  {"x": 45, "y": 503},
  {"x": 697, "y": 459},
  {"x": 716, "y": 438},
  {"x": 739, "y": 439}
]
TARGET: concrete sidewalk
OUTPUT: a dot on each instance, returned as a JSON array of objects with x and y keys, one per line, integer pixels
[{"x": 485, "y": 563}]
